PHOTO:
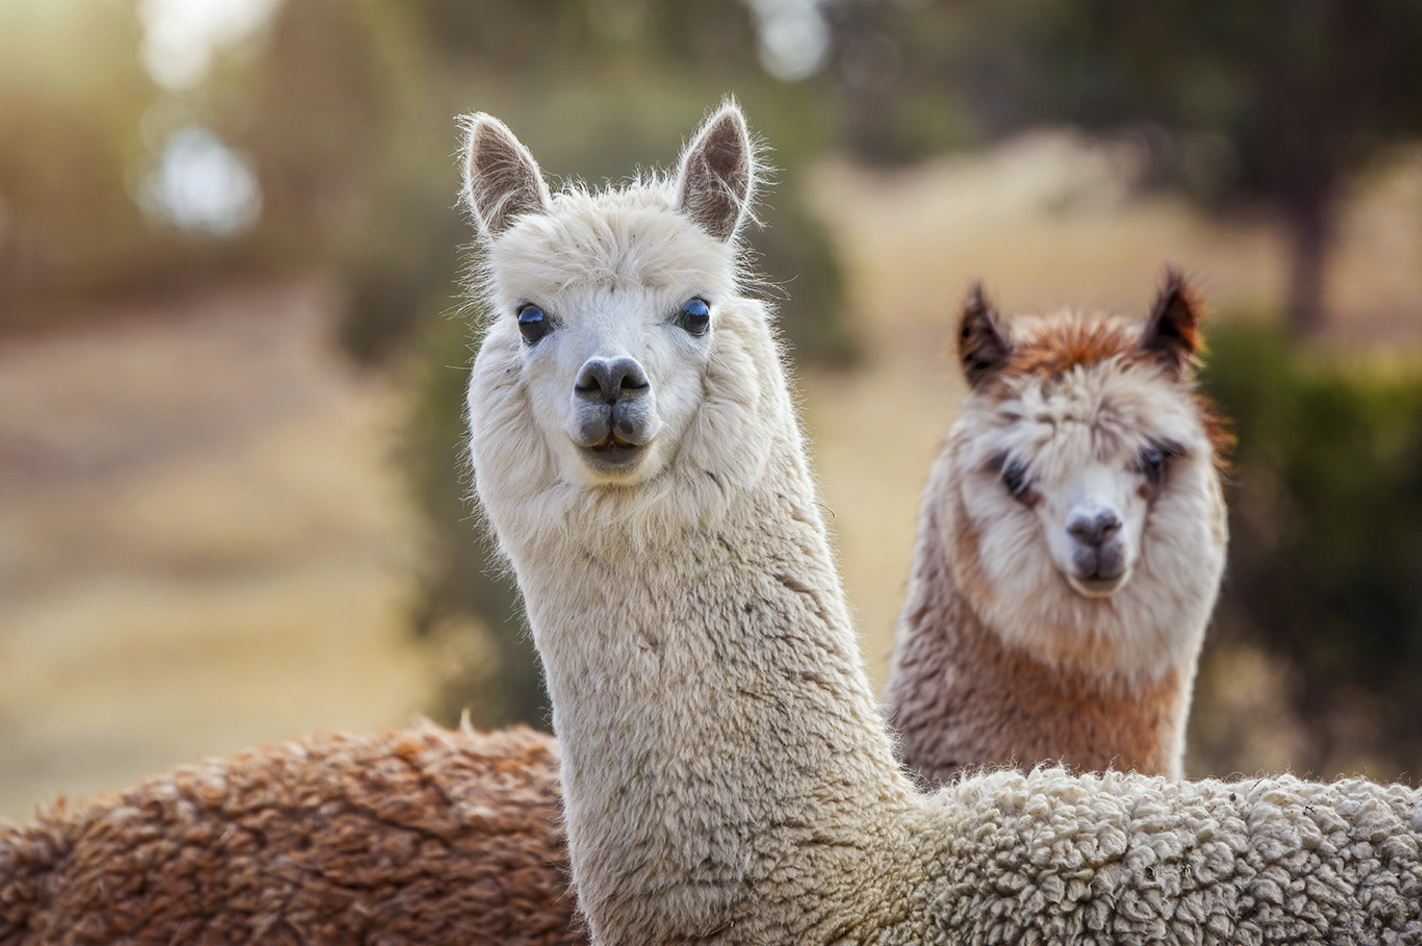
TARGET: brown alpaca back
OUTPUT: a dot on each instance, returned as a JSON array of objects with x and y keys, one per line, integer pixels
[
  {"x": 961, "y": 698},
  {"x": 421, "y": 836}
]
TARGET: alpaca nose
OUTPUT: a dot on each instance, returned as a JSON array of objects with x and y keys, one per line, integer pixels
[
  {"x": 607, "y": 380},
  {"x": 1094, "y": 529}
]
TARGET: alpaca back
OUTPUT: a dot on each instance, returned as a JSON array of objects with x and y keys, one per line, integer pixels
[{"x": 424, "y": 835}]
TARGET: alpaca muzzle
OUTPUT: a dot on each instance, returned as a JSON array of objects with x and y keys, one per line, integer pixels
[
  {"x": 614, "y": 412},
  {"x": 1098, "y": 556}
]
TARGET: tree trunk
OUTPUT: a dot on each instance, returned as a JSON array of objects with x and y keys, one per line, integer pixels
[{"x": 1307, "y": 216}]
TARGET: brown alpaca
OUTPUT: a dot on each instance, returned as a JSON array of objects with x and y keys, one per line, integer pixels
[
  {"x": 1070, "y": 548},
  {"x": 426, "y": 836}
]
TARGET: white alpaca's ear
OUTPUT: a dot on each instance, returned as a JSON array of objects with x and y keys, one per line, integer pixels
[
  {"x": 984, "y": 342},
  {"x": 716, "y": 179},
  {"x": 1172, "y": 333},
  {"x": 501, "y": 179}
]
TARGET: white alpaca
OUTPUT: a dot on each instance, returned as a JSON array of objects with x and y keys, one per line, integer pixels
[
  {"x": 1069, "y": 551},
  {"x": 726, "y": 774}
]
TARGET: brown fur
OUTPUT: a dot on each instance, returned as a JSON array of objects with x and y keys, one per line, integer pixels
[
  {"x": 960, "y": 698},
  {"x": 960, "y": 694},
  {"x": 419, "y": 836}
]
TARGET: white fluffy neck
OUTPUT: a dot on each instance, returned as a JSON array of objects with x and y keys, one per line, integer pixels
[{"x": 716, "y": 722}]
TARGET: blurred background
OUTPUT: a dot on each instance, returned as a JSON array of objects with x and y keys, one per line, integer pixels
[{"x": 233, "y": 345}]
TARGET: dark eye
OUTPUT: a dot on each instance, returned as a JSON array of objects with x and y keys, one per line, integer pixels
[
  {"x": 695, "y": 316},
  {"x": 1152, "y": 464},
  {"x": 533, "y": 323},
  {"x": 1014, "y": 477},
  {"x": 1153, "y": 459}
]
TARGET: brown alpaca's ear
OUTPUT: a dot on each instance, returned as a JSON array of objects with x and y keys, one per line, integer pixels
[
  {"x": 501, "y": 179},
  {"x": 1172, "y": 334},
  {"x": 716, "y": 178},
  {"x": 983, "y": 341}
]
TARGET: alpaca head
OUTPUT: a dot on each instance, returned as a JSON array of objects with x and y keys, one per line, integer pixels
[
  {"x": 619, "y": 350},
  {"x": 1090, "y": 523}
]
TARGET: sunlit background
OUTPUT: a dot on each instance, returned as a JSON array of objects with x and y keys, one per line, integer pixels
[{"x": 232, "y": 344}]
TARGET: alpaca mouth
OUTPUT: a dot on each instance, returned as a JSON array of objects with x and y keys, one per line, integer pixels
[
  {"x": 611, "y": 442},
  {"x": 613, "y": 453},
  {"x": 1097, "y": 586}
]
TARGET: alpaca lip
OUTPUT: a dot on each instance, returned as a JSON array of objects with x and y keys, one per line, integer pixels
[
  {"x": 613, "y": 453},
  {"x": 1094, "y": 586}
]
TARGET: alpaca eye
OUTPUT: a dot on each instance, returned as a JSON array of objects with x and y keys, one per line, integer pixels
[
  {"x": 1152, "y": 464},
  {"x": 1152, "y": 461},
  {"x": 1014, "y": 477},
  {"x": 695, "y": 316},
  {"x": 532, "y": 323}
]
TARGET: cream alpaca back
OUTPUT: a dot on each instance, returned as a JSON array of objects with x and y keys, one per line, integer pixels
[{"x": 1071, "y": 547}]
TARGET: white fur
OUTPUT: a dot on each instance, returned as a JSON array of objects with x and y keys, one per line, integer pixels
[{"x": 727, "y": 777}]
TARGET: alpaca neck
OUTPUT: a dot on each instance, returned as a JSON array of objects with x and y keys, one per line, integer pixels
[
  {"x": 962, "y": 696},
  {"x": 715, "y": 719}
]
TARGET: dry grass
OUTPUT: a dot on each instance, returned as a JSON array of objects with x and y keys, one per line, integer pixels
[{"x": 204, "y": 546}]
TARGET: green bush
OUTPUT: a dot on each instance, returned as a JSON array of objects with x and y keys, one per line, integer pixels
[{"x": 1325, "y": 566}]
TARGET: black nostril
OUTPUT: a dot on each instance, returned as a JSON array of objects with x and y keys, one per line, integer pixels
[
  {"x": 608, "y": 379},
  {"x": 1094, "y": 530}
]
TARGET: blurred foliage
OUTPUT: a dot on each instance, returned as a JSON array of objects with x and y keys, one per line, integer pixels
[
  {"x": 1326, "y": 544},
  {"x": 468, "y": 609},
  {"x": 71, "y": 98},
  {"x": 1265, "y": 101}
]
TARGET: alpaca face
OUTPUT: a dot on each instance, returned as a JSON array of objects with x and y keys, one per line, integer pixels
[
  {"x": 617, "y": 351},
  {"x": 1090, "y": 524},
  {"x": 612, "y": 361}
]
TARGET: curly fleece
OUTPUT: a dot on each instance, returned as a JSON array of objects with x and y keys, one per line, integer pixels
[
  {"x": 1115, "y": 858},
  {"x": 383, "y": 838}
]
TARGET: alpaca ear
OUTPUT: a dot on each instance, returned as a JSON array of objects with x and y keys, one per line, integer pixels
[
  {"x": 501, "y": 179},
  {"x": 1171, "y": 334},
  {"x": 716, "y": 178},
  {"x": 983, "y": 340}
]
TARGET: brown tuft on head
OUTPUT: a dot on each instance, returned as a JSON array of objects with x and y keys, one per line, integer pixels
[
  {"x": 1172, "y": 333},
  {"x": 984, "y": 343},
  {"x": 1072, "y": 342}
]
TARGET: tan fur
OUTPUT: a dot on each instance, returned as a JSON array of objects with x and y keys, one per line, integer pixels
[
  {"x": 1000, "y": 661},
  {"x": 961, "y": 698},
  {"x": 422, "y": 836}
]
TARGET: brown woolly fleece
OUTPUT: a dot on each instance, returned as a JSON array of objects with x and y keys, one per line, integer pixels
[
  {"x": 961, "y": 698},
  {"x": 425, "y": 836}
]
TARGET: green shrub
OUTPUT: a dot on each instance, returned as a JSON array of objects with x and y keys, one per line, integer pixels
[{"x": 1325, "y": 568}]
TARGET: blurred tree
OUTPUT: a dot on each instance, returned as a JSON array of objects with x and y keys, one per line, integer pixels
[
  {"x": 1278, "y": 101},
  {"x": 1326, "y": 545},
  {"x": 71, "y": 97},
  {"x": 1270, "y": 99}
]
